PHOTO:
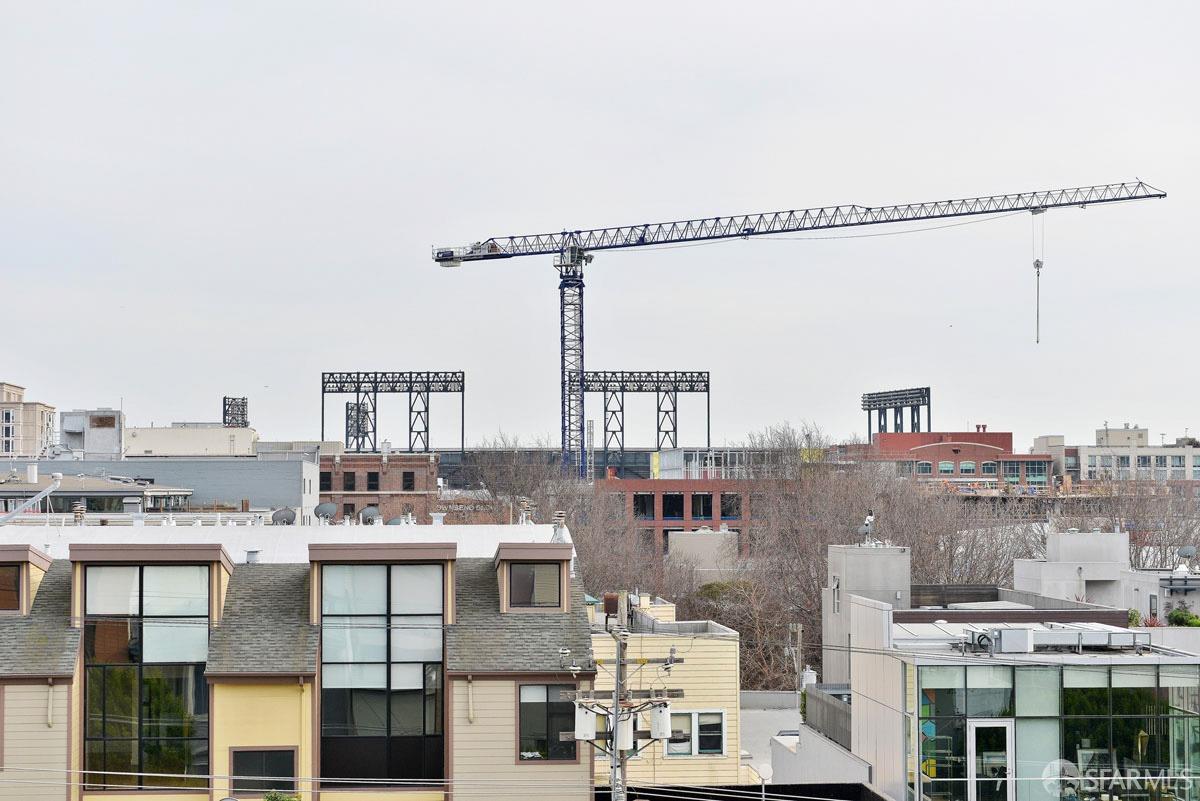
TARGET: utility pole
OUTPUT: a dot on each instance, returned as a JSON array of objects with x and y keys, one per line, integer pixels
[{"x": 624, "y": 704}]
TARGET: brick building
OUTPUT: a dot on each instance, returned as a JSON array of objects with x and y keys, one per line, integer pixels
[
  {"x": 664, "y": 508},
  {"x": 981, "y": 457},
  {"x": 399, "y": 484}
]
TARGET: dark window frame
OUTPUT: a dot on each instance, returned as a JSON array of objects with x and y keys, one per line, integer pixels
[
  {"x": 734, "y": 507},
  {"x": 348, "y": 481},
  {"x": 572, "y": 686},
  {"x": 408, "y": 481},
  {"x": 673, "y": 496},
  {"x": 140, "y": 690},
  {"x": 279, "y": 784},
  {"x": 325, "y": 481},
  {"x": 17, "y": 587},
  {"x": 348, "y": 510},
  {"x": 531, "y": 605},
  {"x": 642, "y": 515},
  {"x": 372, "y": 481},
  {"x": 333, "y": 783},
  {"x": 698, "y": 499}
]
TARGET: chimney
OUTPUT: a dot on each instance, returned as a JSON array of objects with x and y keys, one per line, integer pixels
[
  {"x": 31, "y": 474},
  {"x": 983, "y": 428}
]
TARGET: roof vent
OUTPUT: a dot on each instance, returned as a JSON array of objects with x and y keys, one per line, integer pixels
[{"x": 252, "y": 557}]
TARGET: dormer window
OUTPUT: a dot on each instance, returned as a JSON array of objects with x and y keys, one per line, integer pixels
[
  {"x": 10, "y": 588},
  {"x": 535, "y": 585},
  {"x": 534, "y": 577}
]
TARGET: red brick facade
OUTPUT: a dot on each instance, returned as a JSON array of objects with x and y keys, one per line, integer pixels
[
  {"x": 398, "y": 484},
  {"x": 658, "y": 506}
]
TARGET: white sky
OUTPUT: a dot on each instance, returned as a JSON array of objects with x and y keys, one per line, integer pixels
[{"x": 199, "y": 199}]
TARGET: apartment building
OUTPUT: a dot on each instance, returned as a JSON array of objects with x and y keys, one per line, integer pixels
[
  {"x": 708, "y": 714},
  {"x": 983, "y": 459},
  {"x": 985, "y": 694},
  {"x": 26, "y": 427},
  {"x": 668, "y": 512},
  {"x": 356, "y": 663}
]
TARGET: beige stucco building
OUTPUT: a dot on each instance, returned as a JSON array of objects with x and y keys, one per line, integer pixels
[{"x": 26, "y": 427}]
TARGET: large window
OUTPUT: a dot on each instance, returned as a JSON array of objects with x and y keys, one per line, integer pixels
[
  {"x": 10, "y": 588},
  {"x": 534, "y": 585},
  {"x": 924, "y": 468},
  {"x": 966, "y": 468},
  {"x": 258, "y": 771},
  {"x": 372, "y": 481},
  {"x": 326, "y": 481},
  {"x": 731, "y": 506},
  {"x": 1036, "y": 472},
  {"x": 145, "y": 645},
  {"x": 1012, "y": 471},
  {"x": 544, "y": 714},
  {"x": 381, "y": 672},
  {"x": 672, "y": 505},
  {"x": 408, "y": 481},
  {"x": 348, "y": 482},
  {"x": 702, "y": 506},
  {"x": 705, "y": 733},
  {"x": 946, "y": 468},
  {"x": 988, "y": 468},
  {"x": 643, "y": 505}
]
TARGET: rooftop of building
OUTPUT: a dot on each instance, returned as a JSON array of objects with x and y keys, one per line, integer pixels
[
  {"x": 1004, "y": 642},
  {"x": 17, "y": 483},
  {"x": 289, "y": 544}
]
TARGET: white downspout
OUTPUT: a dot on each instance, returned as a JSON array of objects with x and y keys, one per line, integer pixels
[
  {"x": 470, "y": 699},
  {"x": 50, "y": 703}
]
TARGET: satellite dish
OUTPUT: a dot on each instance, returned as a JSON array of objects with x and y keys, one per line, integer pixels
[
  {"x": 395, "y": 521},
  {"x": 325, "y": 510},
  {"x": 283, "y": 517},
  {"x": 1187, "y": 552},
  {"x": 370, "y": 513}
]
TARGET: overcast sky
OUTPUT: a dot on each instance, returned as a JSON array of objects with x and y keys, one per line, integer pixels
[{"x": 210, "y": 198}]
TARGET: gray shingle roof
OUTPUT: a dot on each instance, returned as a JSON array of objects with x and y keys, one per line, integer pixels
[
  {"x": 265, "y": 628},
  {"x": 42, "y": 644},
  {"x": 483, "y": 640}
]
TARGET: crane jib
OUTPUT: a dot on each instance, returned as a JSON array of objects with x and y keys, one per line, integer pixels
[{"x": 793, "y": 221}]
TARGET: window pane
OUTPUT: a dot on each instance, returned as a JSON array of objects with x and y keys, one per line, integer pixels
[
  {"x": 943, "y": 748},
  {"x": 417, "y": 589},
  {"x": 408, "y": 714},
  {"x": 354, "y": 639},
  {"x": 1180, "y": 689},
  {"x": 354, "y": 589},
  {"x": 681, "y": 726},
  {"x": 368, "y": 676},
  {"x": 533, "y": 693},
  {"x": 112, "y": 694},
  {"x": 942, "y": 690},
  {"x": 534, "y": 742},
  {"x": 1037, "y": 744},
  {"x": 989, "y": 691},
  {"x": 174, "y": 701},
  {"x": 175, "y": 590},
  {"x": 175, "y": 640},
  {"x": 1085, "y": 691},
  {"x": 407, "y": 677},
  {"x": 176, "y": 757},
  {"x": 112, "y": 642},
  {"x": 433, "y": 699},
  {"x": 561, "y": 717},
  {"x": 119, "y": 756},
  {"x": 1085, "y": 742},
  {"x": 9, "y": 580},
  {"x": 280, "y": 765},
  {"x": 1133, "y": 690},
  {"x": 534, "y": 584},
  {"x": 111, "y": 591},
  {"x": 1038, "y": 691},
  {"x": 353, "y": 757},
  {"x": 357, "y": 713},
  {"x": 709, "y": 736},
  {"x": 417, "y": 639}
]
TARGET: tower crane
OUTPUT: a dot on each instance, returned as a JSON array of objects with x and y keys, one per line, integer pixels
[{"x": 572, "y": 250}]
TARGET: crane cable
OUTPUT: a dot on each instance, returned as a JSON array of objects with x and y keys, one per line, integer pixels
[{"x": 1039, "y": 256}]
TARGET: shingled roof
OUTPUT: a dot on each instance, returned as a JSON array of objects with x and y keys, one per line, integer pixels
[
  {"x": 483, "y": 640},
  {"x": 265, "y": 628},
  {"x": 43, "y": 643}
]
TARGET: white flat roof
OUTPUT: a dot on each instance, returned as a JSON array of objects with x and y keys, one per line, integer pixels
[
  {"x": 939, "y": 642},
  {"x": 288, "y": 544}
]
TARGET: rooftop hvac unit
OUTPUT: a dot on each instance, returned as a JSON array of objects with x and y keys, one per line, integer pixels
[{"x": 1014, "y": 641}]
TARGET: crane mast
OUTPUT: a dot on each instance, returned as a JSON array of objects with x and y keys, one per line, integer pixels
[{"x": 573, "y": 249}]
